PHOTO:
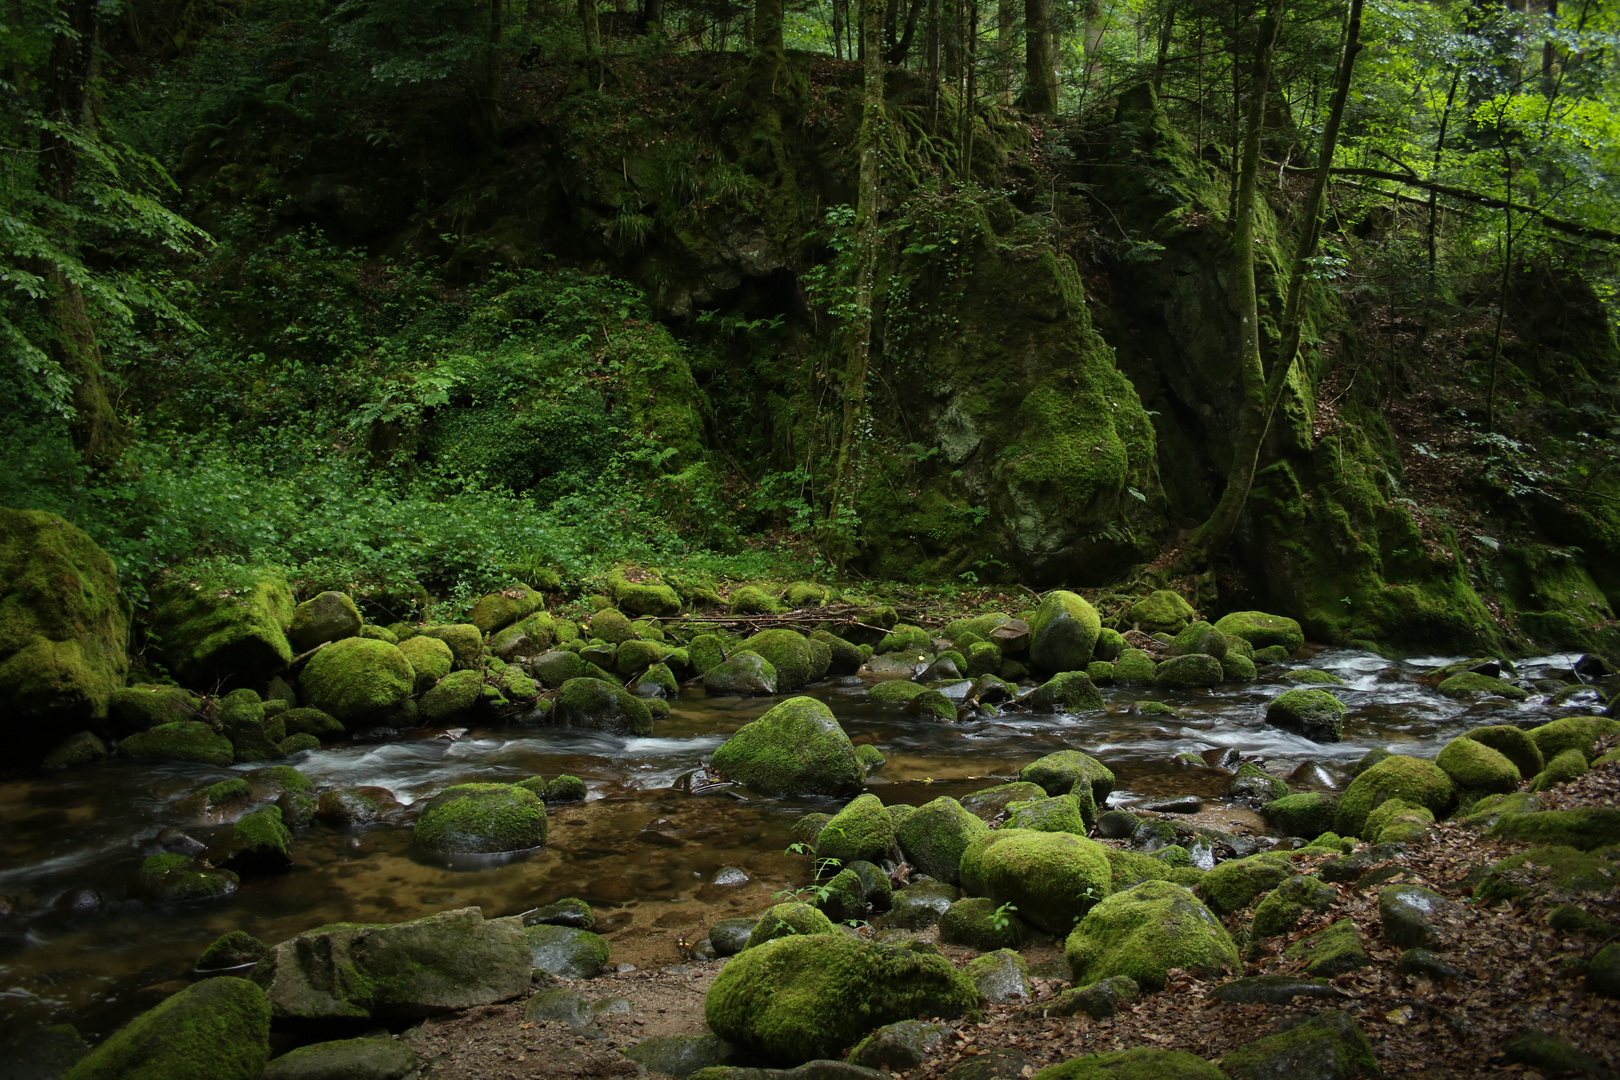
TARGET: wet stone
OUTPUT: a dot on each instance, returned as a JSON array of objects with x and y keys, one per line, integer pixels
[
  {"x": 921, "y": 904},
  {"x": 556, "y": 1004},
  {"x": 728, "y": 936},
  {"x": 1003, "y": 1063},
  {"x": 1177, "y": 804},
  {"x": 1413, "y": 917},
  {"x": 1423, "y": 964},
  {"x": 682, "y": 1055},
  {"x": 1117, "y": 825},
  {"x": 899, "y": 1047},
  {"x": 729, "y": 875}
]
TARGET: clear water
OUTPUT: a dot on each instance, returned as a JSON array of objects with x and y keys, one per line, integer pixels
[{"x": 641, "y": 850}]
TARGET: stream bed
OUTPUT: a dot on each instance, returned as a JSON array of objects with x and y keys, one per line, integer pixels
[{"x": 641, "y": 850}]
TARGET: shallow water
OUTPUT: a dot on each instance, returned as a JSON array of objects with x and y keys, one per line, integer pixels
[{"x": 641, "y": 850}]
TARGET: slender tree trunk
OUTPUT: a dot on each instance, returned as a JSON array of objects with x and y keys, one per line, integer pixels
[
  {"x": 838, "y": 28},
  {"x": 970, "y": 96},
  {"x": 1262, "y": 392},
  {"x": 839, "y": 526},
  {"x": 1434, "y": 171},
  {"x": 768, "y": 17},
  {"x": 952, "y": 42},
  {"x": 1006, "y": 48},
  {"x": 588, "y": 23},
  {"x": 1040, "y": 59},
  {"x": 1166, "y": 31},
  {"x": 1507, "y": 274}
]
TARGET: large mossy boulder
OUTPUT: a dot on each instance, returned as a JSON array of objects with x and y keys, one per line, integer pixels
[
  {"x": 346, "y": 1059},
  {"x": 430, "y": 659},
  {"x": 1572, "y": 733},
  {"x": 1138, "y": 1063},
  {"x": 186, "y": 740},
  {"x": 1315, "y": 714},
  {"x": 605, "y": 706},
  {"x": 1053, "y": 878},
  {"x": 404, "y": 971},
  {"x": 1475, "y": 767},
  {"x": 1058, "y": 773},
  {"x": 863, "y": 830},
  {"x": 792, "y": 655},
  {"x": 331, "y": 616},
  {"x": 1193, "y": 671},
  {"x": 1513, "y": 743},
  {"x": 457, "y": 693},
  {"x": 797, "y": 748},
  {"x": 1308, "y": 814},
  {"x": 1063, "y": 632},
  {"x": 1330, "y": 1045},
  {"x": 466, "y": 642},
  {"x": 215, "y": 629},
  {"x": 1419, "y": 782},
  {"x": 1235, "y": 884},
  {"x": 1200, "y": 638},
  {"x": 1069, "y": 692},
  {"x": 217, "y": 1029},
  {"x": 1468, "y": 685},
  {"x": 144, "y": 705},
  {"x": 358, "y": 680},
  {"x": 64, "y": 630},
  {"x": 743, "y": 674},
  {"x": 808, "y": 997},
  {"x": 934, "y": 837},
  {"x": 784, "y": 920},
  {"x": 637, "y": 591},
  {"x": 1585, "y": 827},
  {"x": 1262, "y": 630},
  {"x": 1145, "y": 931},
  {"x": 1161, "y": 612},
  {"x": 497, "y": 611},
  {"x": 469, "y": 819}
]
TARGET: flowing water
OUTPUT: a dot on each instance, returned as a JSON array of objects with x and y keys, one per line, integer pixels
[{"x": 641, "y": 850}]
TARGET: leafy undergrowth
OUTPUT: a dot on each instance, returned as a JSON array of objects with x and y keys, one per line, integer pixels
[{"x": 1518, "y": 974}]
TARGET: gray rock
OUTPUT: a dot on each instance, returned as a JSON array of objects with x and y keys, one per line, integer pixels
[
  {"x": 1116, "y": 824},
  {"x": 730, "y": 875},
  {"x": 898, "y": 1047},
  {"x": 1273, "y": 990},
  {"x": 453, "y": 960},
  {"x": 1003, "y": 1063},
  {"x": 1100, "y": 1000},
  {"x": 1001, "y": 976},
  {"x": 1421, "y": 963},
  {"x": 565, "y": 912},
  {"x": 1176, "y": 804},
  {"x": 900, "y": 665},
  {"x": 728, "y": 936},
  {"x": 682, "y": 1055},
  {"x": 566, "y": 951},
  {"x": 1413, "y": 916},
  {"x": 554, "y": 1003},
  {"x": 921, "y": 904},
  {"x": 345, "y": 1059},
  {"x": 747, "y": 674},
  {"x": 1328, "y": 1046},
  {"x": 1349, "y": 869}
]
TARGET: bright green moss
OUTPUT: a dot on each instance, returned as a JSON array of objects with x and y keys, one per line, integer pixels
[
  {"x": 217, "y": 1029},
  {"x": 1262, "y": 630},
  {"x": 1235, "y": 668},
  {"x": 1564, "y": 868},
  {"x": 1192, "y": 671},
  {"x": 861, "y": 830},
  {"x": 1070, "y": 692},
  {"x": 214, "y": 629},
  {"x": 1056, "y": 813},
  {"x": 136, "y": 708},
  {"x": 1127, "y": 868},
  {"x": 1162, "y": 611},
  {"x": 1330, "y": 1041},
  {"x": 358, "y": 680},
  {"x": 312, "y": 722},
  {"x": 633, "y": 656},
  {"x": 1422, "y": 783},
  {"x": 1567, "y": 766},
  {"x": 1054, "y": 878},
  {"x": 844, "y": 658},
  {"x": 895, "y": 691},
  {"x": 785, "y": 920},
  {"x": 753, "y": 600},
  {"x": 1145, "y": 931},
  {"x": 481, "y": 818},
  {"x": 1475, "y": 767},
  {"x": 982, "y": 924},
  {"x": 1469, "y": 684},
  {"x": 790, "y": 653},
  {"x": 455, "y": 694},
  {"x": 1513, "y": 743},
  {"x": 796, "y": 748},
  {"x": 187, "y": 740},
  {"x": 1058, "y": 773},
  {"x": 1135, "y": 667},
  {"x": 1312, "y": 677},
  {"x": 1585, "y": 828},
  {"x": 1282, "y": 908},
  {"x": 466, "y": 642},
  {"x": 1572, "y": 732},
  {"x": 565, "y": 788},
  {"x": 1251, "y": 781},
  {"x": 1331, "y": 951},
  {"x": 430, "y": 659},
  {"x": 1063, "y": 633},
  {"x": 1315, "y": 714},
  {"x": 1233, "y": 885},
  {"x": 227, "y": 791},
  {"x": 596, "y": 703},
  {"x": 904, "y": 637}
]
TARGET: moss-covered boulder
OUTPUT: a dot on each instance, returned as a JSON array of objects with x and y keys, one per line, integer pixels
[
  {"x": 1467, "y": 685},
  {"x": 457, "y": 693},
  {"x": 786, "y": 920},
  {"x": 144, "y": 705},
  {"x": 349, "y": 1059},
  {"x": 1145, "y": 931},
  {"x": 744, "y": 673},
  {"x": 358, "y": 680},
  {"x": 863, "y": 830},
  {"x": 791, "y": 654},
  {"x": 1331, "y": 951},
  {"x": 934, "y": 838},
  {"x": 1572, "y": 733},
  {"x": 1586, "y": 828},
  {"x": 658, "y": 681},
  {"x": 1570, "y": 765},
  {"x": 1053, "y": 878},
  {"x": 1283, "y": 907},
  {"x": 845, "y": 657},
  {"x": 466, "y": 642},
  {"x": 1161, "y": 612},
  {"x": 1564, "y": 869},
  {"x": 1070, "y": 692},
  {"x": 187, "y": 740},
  {"x": 256, "y": 844},
  {"x": 217, "y": 629},
  {"x": 529, "y": 637},
  {"x": 1063, "y": 632},
  {"x": 1234, "y": 884},
  {"x": 234, "y": 948},
  {"x": 797, "y": 748},
  {"x": 312, "y": 722},
  {"x": 570, "y": 952},
  {"x": 895, "y": 691},
  {"x": 177, "y": 879},
  {"x": 754, "y": 600},
  {"x": 987, "y": 803},
  {"x": 983, "y": 924},
  {"x": 331, "y": 616},
  {"x": 1135, "y": 667},
  {"x": 1235, "y": 668},
  {"x": 1414, "y": 917},
  {"x": 805, "y": 997},
  {"x": 1068, "y": 813},
  {"x": 1253, "y": 783},
  {"x": 1058, "y": 773},
  {"x": 1475, "y": 767},
  {"x": 556, "y": 667},
  {"x": 217, "y": 1029},
  {"x": 904, "y": 637},
  {"x": 633, "y": 656},
  {"x": 638, "y": 591},
  {"x": 480, "y": 819},
  {"x": 1513, "y": 743},
  {"x": 1139, "y": 1063},
  {"x": 496, "y": 611},
  {"x": 64, "y": 630},
  {"x": 1262, "y": 630},
  {"x": 1308, "y": 814},
  {"x": 404, "y": 971},
  {"x": 1199, "y": 638},
  {"x": 1315, "y": 714},
  {"x": 604, "y": 706},
  {"x": 1329, "y": 1044},
  {"x": 1191, "y": 672},
  {"x": 1419, "y": 782},
  {"x": 430, "y": 659}
]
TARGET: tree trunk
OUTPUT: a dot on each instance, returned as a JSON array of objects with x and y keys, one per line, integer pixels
[
  {"x": 588, "y": 24},
  {"x": 1439, "y": 151},
  {"x": 839, "y": 527},
  {"x": 1006, "y": 48},
  {"x": 1261, "y": 393},
  {"x": 768, "y": 16},
  {"x": 1040, "y": 59},
  {"x": 1162, "y": 61}
]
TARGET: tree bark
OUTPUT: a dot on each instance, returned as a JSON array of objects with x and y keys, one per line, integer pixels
[
  {"x": 768, "y": 17},
  {"x": 839, "y": 527},
  {"x": 1040, "y": 59},
  {"x": 1262, "y": 392}
]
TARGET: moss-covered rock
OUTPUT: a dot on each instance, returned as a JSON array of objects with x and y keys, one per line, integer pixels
[
  {"x": 786, "y": 920},
  {"x": 1567, "y": 766},
  {"x": 982, "y": 924},
  {"x": 557, "y": 667},
  {"x": 605, "y": 706},
  {"x": 1331, "y": 951},
  {"x": 862, "y": 830},
  {"x": 1283, "y": 907},
  {"x": 176, "y": 879},
  {"x": 753, "y": 600},
  {"x": 1586, "y": 828},
  {"x": 1328, "y": 1044},
  {"x": 791, "y": 654},
  {"x": 80, "y": 748},
  {"x": 496, "y": 611},
  {"x": 1475, "y": 767},
  {"x": 350, "y": 1059},
  {"x": 1237, "y": 668},
  {"x": 642, "y": 592},
  {"x": 657, "y": 681},
  {"x": 1315, "y": 714},
  {"x": 480, "y": 819},
  {"x": 331, "y": 616},
  {"x": 466, "y": 642},
  {"x": 1572, "y": 732},
  {"x": 1234, "y": 884},
  {"x": 144, "y": 705},
  {"x": 1513, "y": 743},
  {"x": 895, "y": 691},
  {"x": 1190, "y": 672},
  {"x": 1145, "y": 931},
  {"x": 1312, "y": 677},
  {"x": 870, "y": 757},
  {"x": 358, "y": 680},
  {"x": 531, "y": 636},
  {"x": 1135, "y": 667},
  {"x": 217, "y": 1029},
  {"x": 805, "y": 997},
  {"x": 1053, "y": 878},
  {"x": 1308, "y": 814},
  {"x": 186, "y": 740},
  {"x": 430, "y": 659},
  {"x": 570, "y": 952},
  {"x": 1414, "y": 917},
  {"x": 1070, "y": 692},
  {"x": 797, "y": 748},
  {"x": 1161, "y": 612},
  {"x": 1262, "y": 630},
  {"x": 1063, "y": 632},
  {"x": 633, "y": 656},
  {"x": 1100, "y": 672},
  {"x": 900, "y": 1046},
  {"x": 312, "y": 722},
  {"x": 743, "y": 673},
  {"x": 457, "y": 693},
  {"x": 242, "y": 720},
  {"x": 1566, "y": 870},
  {"x": 934, "y": 838},
  {"x": 232, "y": 949},
  {"x": 845, "y": 658},
  {"x": 1199, "y": 638},
  {"x": 1419, "y": 782},
  {"x": 1058, "y": 773},
  {"x": 1470, "y": 684},
  {"x": 1139, "y": 1063},
  {"x": 215, "y": 629},
  {"x": 1253, "y": 783},
  {"x": 1055, "y": 813}
]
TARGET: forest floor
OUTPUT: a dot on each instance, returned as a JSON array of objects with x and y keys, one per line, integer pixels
[{"x": 1515, "y": 974}]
